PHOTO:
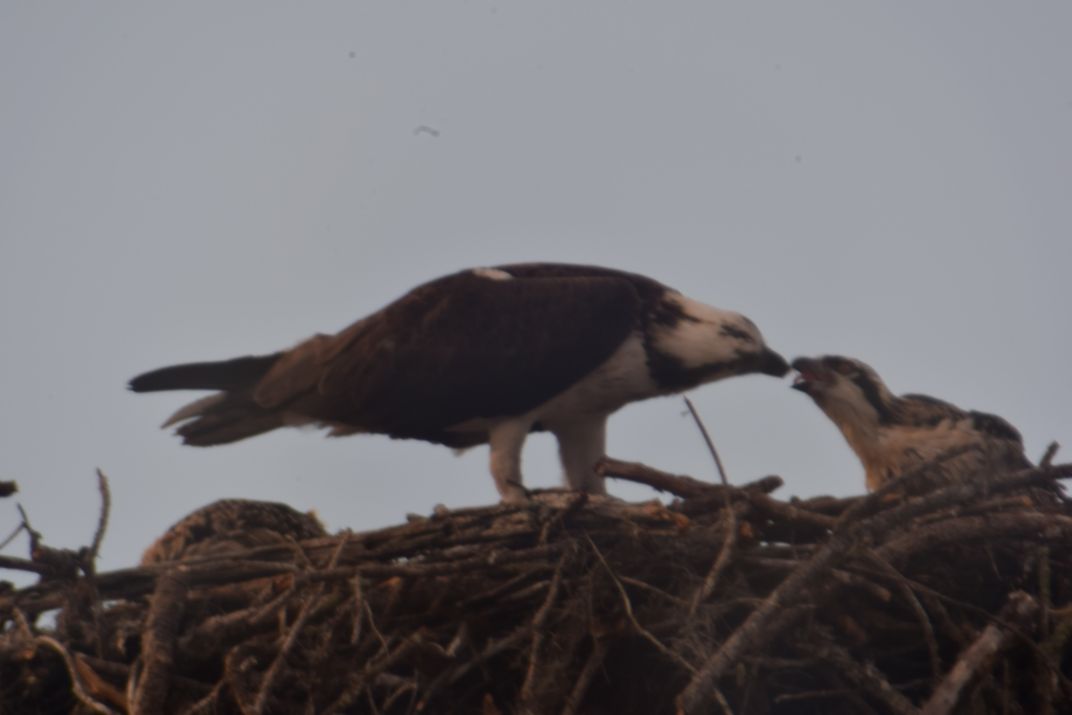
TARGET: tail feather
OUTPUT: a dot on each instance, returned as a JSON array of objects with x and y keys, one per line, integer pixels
[
  {"x": 235, "y": 374},
  {"x": 226, "y": 416},
  {"x": 223, "y": 418},
  {"x": 194, "y": 409}
]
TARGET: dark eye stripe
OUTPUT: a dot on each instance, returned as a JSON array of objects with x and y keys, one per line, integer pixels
[
  {"x": 873, "y": 396},
  {"x": 731, "y": 331}
]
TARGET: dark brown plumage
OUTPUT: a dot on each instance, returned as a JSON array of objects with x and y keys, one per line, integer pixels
[{"x": 482, "y": 356}]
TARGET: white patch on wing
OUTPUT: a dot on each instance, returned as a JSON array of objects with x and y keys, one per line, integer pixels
[
  {"x": 700, "y": 341},
  {"x": 493, "y": 274}
]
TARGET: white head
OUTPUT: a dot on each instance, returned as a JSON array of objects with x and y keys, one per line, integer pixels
[{"x": 699, "y": 343}]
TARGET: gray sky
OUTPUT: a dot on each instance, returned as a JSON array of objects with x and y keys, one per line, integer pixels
[{"x": 192, "y": 181}]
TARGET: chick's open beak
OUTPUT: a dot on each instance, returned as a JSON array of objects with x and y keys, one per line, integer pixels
[{"x": 808, "y": 374}]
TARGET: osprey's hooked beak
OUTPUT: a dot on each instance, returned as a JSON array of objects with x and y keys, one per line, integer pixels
[{"x": 771, "y": 363}]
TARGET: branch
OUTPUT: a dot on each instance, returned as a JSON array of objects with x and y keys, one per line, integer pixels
[
  {"x": 102, "y": 521},
  {"x": 707, "y": 439},
  {"x": 1018, "y": 613},
  {"x": 76, "y": 681},
  {"x": 158, "y": 643},
  {"x": 729, "y": 519},
  {"x": 677, "y": 484},
  {"x": 627, "y": 604},
  {"x": 865, "y": 676}
]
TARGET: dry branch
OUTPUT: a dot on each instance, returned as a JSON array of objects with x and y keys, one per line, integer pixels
[
  {"x": 158, "y": 643},
  {"x": 973, "y": 661}
]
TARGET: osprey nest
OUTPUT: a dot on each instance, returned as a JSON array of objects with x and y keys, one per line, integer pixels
[{"x": 727, "y": 600}]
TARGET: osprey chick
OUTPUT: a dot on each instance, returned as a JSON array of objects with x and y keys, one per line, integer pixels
[
  {"x": 482, "y": 356},
  {"x": 892, "y": 435}
]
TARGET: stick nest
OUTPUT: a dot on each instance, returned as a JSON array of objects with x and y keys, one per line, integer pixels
[{"x": 727, "y": 600}]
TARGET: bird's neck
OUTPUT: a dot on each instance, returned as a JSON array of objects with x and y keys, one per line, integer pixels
[{"x": 862, "y": 429}]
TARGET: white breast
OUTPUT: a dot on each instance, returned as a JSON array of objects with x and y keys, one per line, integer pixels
[{"x": 622, "y": 379}]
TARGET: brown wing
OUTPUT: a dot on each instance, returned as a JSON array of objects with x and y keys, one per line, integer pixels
[
  {"x": 461, "y": 347},
  {"x": 1001, "y": 443},
  {"x": 924, "y": 410}
]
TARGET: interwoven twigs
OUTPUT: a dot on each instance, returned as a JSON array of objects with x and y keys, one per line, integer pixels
[{"x": 584, "y": 604}]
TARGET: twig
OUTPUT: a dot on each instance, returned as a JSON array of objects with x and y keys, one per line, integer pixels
[
  {"x": 1047, "y": 457},
  {"x": 1018, "y": 611},
  {"x": 847, "y": 578},
  {"x": 359, "y": 683},
  {"x": 628, "y": 606},
  {"x": 72, "y": 671},
  {"x": 358, "y": 610},
  {"x": 725, "y": 553},
  {"x": 707, "y": 439},
  {"x": 492, "y": 649},
  {"x": 791, "y": 513},
  {"x": 276, "y": 667},
  {"x": 158, "y": 643},
  {"x": 9, "y": 539},
  {"x": 97, "y": 686},
  {"x": 917, "y": 608},
  {"x": 209, "y": 704},
  {"x": 272, "y": 674},
  {"x": 729, "y": 538},
  {"x": 528, "y": 687},
  {"x": 218, "y": 631},
  {"x": 1040, "y": 650},
  {"x": 759, "y": 627},
  {"x": 865, "y": 676},
  {"x": 584, "y": 679},
  {"x": 13, "y": 563},
  {"x": 677, "y": 484},
  {"x": 35, "y": 536},
  {"x": 813, "y": 695},
  {"x": 102, "y": 521},
  {"x": 761, "y": 624},
  {"x": 1030, "y": 526}
]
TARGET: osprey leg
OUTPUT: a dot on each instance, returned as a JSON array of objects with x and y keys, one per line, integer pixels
[
  {"x": 582, "y": 443},
  {"x": 505, "y": 440}
]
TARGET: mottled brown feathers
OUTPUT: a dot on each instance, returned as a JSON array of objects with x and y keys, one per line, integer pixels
[{"x": 892, "y": 435}]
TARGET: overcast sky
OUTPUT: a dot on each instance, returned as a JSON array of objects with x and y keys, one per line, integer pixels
[{"x": 190, "y": 181}]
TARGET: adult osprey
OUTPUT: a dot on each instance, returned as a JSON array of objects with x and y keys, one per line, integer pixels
[
  {"x": 892, "y": 435},
  {"x": 482, "y": 356}
]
